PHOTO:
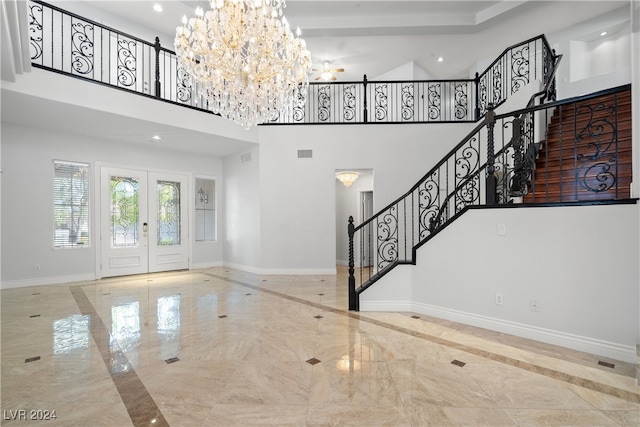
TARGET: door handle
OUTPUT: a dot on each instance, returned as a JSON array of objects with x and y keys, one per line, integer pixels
[{"x": 145, "y": 228}]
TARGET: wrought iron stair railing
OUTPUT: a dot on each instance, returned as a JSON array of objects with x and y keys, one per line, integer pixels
[
  {"x": 392, "y": 236},
  {"x": 66, "y": 43},
  {"x": 504, "y": 160}
]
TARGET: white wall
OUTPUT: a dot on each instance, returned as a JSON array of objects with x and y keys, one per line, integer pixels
[
  {"x": 408, "y": 71},
  {"x": 298, "y": 224},
  {"x": 591, "y": 62},
  {"x": 242, "y": 210},
  {"x": 578, "y": 263},
  {"x": 27, "y": 200}
]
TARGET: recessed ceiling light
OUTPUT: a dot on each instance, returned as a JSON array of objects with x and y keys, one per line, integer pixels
[
  {"x": 156, "y": 137},
  {"x": 440, "y": 59},
  {"x": 602, "y": 34},
  {"x": 157, "y": 7}
]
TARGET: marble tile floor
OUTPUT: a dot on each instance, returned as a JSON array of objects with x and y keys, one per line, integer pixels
[{"x": 222, "y": 347}]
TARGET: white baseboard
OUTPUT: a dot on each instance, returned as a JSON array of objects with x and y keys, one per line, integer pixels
[
  {"x": 41, "y": 281},
  {"x": 577, "y": 342},
  {"x": 300, "y": 271},
  {"x": 401, "y": 306},
  {"x": 283, "y": 271},
  {"x": 205, "y": 265},
  {"x": 246, "y": 268}
]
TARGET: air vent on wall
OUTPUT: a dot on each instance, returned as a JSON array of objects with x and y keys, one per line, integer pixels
[
  {"x": 305, "y": 154},
  {"x": 245, "y": 158}
]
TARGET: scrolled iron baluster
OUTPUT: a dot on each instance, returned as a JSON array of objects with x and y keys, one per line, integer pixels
[
  {"x": 407, "y": 101},
  {"x": 35, "y": 30},
  {"x": 275, "y": 115},
  {"x": 388, "y": 238},
  {"x": 349, "y": 98},
  {"x": 428, "y": 193},
  {"x": 483, "y": 95},
  {"x": 82, "y": 48},
  {"x": 184, "y": 84},
  {"x": 461, "y": 101},
  {"x": 468, "y": 194},
  {"x": 298, "y": 113},
  {"x": 468, "y": 162},
  {"x": 601, "y": 173},
  {"x": 126, "y": 63},
  {"x": 381, "y": 101},
  {"x": 497, "y": 83},
  {"x": 324, "y": 103},
  {"x": 597, "y": 127},
  {"x": 434, "y": 100},
  {"x": 519, "y": 69},
  {"x": 596, "y": 167}
]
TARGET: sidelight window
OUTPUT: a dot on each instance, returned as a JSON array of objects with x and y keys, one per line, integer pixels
[
  {"x": 205, "y": 210},
  {"x": 70, "y": 204}
]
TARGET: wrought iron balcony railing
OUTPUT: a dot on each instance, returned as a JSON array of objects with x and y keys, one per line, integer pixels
[{"x": 66, "y": 43}]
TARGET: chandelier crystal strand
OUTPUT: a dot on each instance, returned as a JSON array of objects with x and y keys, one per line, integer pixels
[{"x": 244, "y": 59}]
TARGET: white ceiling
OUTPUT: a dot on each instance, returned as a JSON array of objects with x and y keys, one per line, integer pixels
[
  {"x": 374, "y": 36},
  {"x": 365, "y": 37}
]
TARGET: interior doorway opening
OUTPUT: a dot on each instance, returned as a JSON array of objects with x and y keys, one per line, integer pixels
[{"x": 356, "y": 200}]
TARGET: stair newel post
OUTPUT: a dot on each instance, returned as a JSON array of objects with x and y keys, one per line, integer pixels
[
  {"x": 365, "y": 112},
  {"x": 353, "y": 298},
  {"x": 477, "y": 83},
  {"x": 491, "y": 180},
  {"x": 156, "y": 46}
]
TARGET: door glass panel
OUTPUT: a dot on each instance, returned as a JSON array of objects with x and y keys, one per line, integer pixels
[
  {"x": 124, "y": 212},
  {"x": 168, "y": 213}
]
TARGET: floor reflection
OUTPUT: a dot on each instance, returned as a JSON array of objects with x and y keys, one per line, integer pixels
[{"x": 226, "y": 347}]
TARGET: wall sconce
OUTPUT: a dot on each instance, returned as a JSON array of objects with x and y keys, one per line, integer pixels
[
  {"x": 204, "y": 197},
  {"x": 347, "y": 178}
]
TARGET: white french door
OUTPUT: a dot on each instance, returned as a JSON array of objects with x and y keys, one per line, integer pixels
[{"x": 143, "y": 221}]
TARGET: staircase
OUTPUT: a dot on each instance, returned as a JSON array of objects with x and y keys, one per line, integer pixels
[
  {"x": 587, "y": 152},
  {"x": 572, "y": 151}
]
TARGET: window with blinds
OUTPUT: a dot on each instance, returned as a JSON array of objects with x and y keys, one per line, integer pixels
[
  {"x": 70, "y": 204},
  {"x": 205, "y": 210}
]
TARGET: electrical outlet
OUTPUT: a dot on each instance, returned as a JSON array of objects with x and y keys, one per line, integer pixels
[
  {"x": 36, "y": 267},
  {"x": 499, "y": 299},
  {"x": 535, "y": 305}
]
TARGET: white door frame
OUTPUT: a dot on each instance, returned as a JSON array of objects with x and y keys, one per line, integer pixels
[{"x": 97, "y": 213}]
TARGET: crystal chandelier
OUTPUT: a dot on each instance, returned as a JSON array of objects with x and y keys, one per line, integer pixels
[
  {"x": 244, "y": 59},
  {"x": 347, "y": 178}
]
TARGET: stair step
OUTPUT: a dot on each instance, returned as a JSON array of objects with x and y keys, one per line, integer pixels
[
  {"x": 540, "y": 197},
  {"x": 623, "y": 169},
  {"x": 569, "y": 132},
  {"x": 570, "y": 145},
  {"x": 551, "y": 157}
]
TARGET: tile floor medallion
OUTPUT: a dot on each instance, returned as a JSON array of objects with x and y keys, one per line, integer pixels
[{"x": 222, "y": 347}]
